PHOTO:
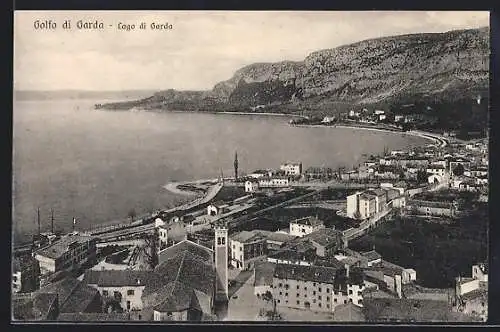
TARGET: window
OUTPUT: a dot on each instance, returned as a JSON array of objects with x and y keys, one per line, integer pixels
[
  {"x": 334, "y": 292},
  {"x": 104, "y": 293},
  {"x": 128, "y": 305},
  {"x": 305, "y": 288},
  {"x": 314, "y": 284},
  {"x": 280, "y": 285},
  {"x": 130, "y": 292},
  {"x": 360, "y": 301},
  {"x": 314, "y": 292},
  {"x": 298, "y": 302},
  {"x": 345, "y": 301},
  {"x": 350, "y": 291},
  {"x": 359, "y": 293},
  {"x": 328, "y": 290},
  {"x": 319, "y": 297},
  {"x": 286, "y": 286},
  {"x": 350, "y": 300},
  {"x": 319, "y": 289},
  {"x": 219, "y": 242},
  {"x": 328, "y": 298},
  {"x": 286, "y": 294},
  {"x": 298, "y": 295},
  {"x": 319, "y": 305},
  {"x": 223, "y": 241},
  {"x": 335, "y": 300},
  {"x": 281, "y": 293},
  {"x": 297, "y": 286},
  {"x": 279, "y": 301},
  {"x": 328, "y": 306},
  {"x": 234, "y": 246},
  {"x": 241, "y": 248}
]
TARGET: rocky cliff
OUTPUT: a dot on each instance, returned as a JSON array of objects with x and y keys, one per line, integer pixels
[{"x": 435, "y": 65}]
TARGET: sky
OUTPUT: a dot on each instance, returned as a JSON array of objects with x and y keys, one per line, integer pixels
[{"x": 201, "y": 49}]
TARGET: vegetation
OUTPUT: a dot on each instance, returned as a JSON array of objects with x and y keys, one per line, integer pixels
[{"x": 438, "y": 253}]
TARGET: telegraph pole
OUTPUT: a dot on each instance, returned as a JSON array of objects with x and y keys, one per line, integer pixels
[
  {"x": 38, "y": 218},
  {"x": 52, "y": 220}
]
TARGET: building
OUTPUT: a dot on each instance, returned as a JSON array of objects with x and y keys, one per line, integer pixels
[
  {"x": 316, "y": 173},
  {"x": 327, "y": 241},
  {"x": 69, "y": 252},
  {"x": 261, "y": 173},
  {"x": 162, "y": 234},
  {"x": 274, "y": 182},
  {"x": 471, "y": 294},
  {"x": 221, "y": 263},
  {"x": 246, "y": 247},
  {"x": 372, "y": 257},
  {"x": 353, "y": 205},
  {"x": 186, "y": 285},
  {"x": 328, "y": 119},
  {"x": 25, "y": 274},
  {"x": 295, "y": 253},
  {"x": 435, "y": 179},
  {"x": 367, "y": 205},
  {"x": 315, "y": 288},
  {"x": 217, "y": 209},
  {"x": 436, "y": 170},
  {"x": 303, "y": 226},
  {"x": 123, "y": 286},
  {"x": 67, "y": 295},
  {"x": 251, "y": 186},
  {"x": 293, "y": 169},
  {"x": 476, "y": 172},
  {"x": 431, "y": 208},
  {"x": 263, "y": 278}
]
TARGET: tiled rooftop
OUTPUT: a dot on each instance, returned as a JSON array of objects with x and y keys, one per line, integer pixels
[
  {"x": 309, "y": 221},
  {"x": 58, "y": 248},
  {"x": 248, "y": 236},
  {"x": 203, "y": 252},
  {"x": 305, "y": 273},
  {"x": 264, "y": 272},
  {"x": 371, "y": 255}
]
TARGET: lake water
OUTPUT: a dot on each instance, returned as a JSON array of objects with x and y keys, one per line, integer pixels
[{"x": 97, "y": 165}]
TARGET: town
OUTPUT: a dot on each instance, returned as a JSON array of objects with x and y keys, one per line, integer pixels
[{"x": 269, "y": 245}]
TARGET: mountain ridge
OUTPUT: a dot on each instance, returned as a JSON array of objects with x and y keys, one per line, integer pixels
[{"x": 372, "y": 71}]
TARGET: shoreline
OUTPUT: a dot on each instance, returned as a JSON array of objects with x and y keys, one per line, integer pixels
[
  {"x": 173, "y": 186},
  {"x": 441, "y": 141}
]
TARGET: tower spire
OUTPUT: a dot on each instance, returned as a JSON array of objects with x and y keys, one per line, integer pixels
[{"x": 236, "y": 165}]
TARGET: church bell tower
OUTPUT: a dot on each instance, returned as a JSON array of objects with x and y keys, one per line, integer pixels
[{"x": 221, "y": 261}]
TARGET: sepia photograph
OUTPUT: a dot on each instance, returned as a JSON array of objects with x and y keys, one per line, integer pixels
[{"x": 250, "y": 166}]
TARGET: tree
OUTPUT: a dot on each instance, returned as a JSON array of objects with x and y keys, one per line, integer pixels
[
  {"x": 151, "y": 249},
  {"x": 132, "y": 214},
  {"x": 458, "y": 170},
  {"x": 421, "y": 177}
]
